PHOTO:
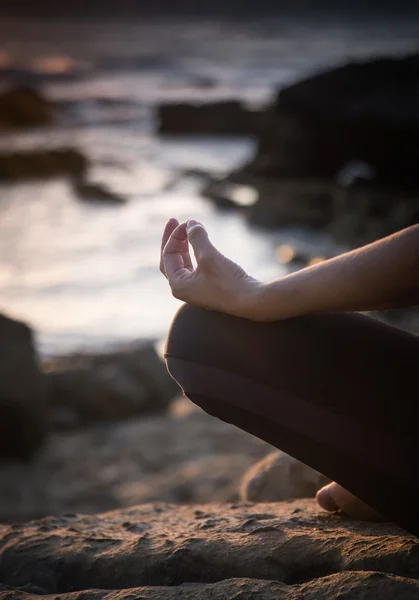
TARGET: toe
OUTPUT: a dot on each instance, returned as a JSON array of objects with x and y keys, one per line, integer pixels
[
  {"x": 334, "y": 497},
  {"x": 325, "y": 499}
]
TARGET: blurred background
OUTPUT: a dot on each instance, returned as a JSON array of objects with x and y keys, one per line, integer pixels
[{"x": 289, "y": 128}]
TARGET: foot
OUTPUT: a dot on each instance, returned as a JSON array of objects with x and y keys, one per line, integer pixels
[{"x": 334, "y": 497}]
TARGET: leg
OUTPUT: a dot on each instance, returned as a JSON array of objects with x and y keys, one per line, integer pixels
[{"x": 334, "y": 391}]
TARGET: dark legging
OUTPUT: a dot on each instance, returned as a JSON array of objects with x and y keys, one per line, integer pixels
[{"x": 338, "y": 392}]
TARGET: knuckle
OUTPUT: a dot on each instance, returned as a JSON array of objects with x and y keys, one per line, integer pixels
[
  {"x": 181, "y": 291},
  {"x": 176, "y": 292}
]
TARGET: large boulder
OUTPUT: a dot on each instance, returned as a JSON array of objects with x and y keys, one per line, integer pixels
[
  {"x": 223, "y": 117},
  {"x": 118, "y": 385},
  {"x": 285, "y": 551},
  {"x": 36, "y": 164},
  {"x": 366, "y": 111},
  {"x": 96, "y": 193},
  {"x": 23, "y": 107},
  {"x": 22, "y": 393},
  {"x": 353, "y": 215},
  {"x": 280, "y": 477},
  {"x": 275, "y": 203},
  {"x": 338, "y": 151}
]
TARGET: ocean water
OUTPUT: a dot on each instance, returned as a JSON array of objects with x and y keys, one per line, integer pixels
[{"x": 86, "y": 275}]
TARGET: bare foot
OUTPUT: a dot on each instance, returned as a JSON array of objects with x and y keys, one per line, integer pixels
[{"x": 334, "y": 497}]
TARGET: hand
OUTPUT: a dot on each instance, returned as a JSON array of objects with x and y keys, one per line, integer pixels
[{"x": 217, "y": 283}]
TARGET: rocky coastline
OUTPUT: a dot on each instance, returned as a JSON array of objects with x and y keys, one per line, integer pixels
[{"x": 199, "y": 508}]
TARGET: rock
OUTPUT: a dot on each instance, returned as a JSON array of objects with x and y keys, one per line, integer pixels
[
  {"x": 110, "y": 386},
  {"x": 283, "y": 202},
  {"x": 280, "y": 477},
  {"x": 364, "y": 111},
  {"x": 291, "y": 202},
  {"x": 353, "y": 216},
  {"x": 181, "y": 455},
  {"x": 339, "y": 153},
  {"x": 96, "y": 192},
  {"x": 23, "y": 394},
  {"x": 44, "y": 69},
  {"x": 259, "y": 551},
  {"x": 353, "y": 585},
  {"x": 223, "y": 117},
  {"x": 29, "y": 164},
  {"x": 203, "y": 81},
  {"x": 212, "y": 478},
  {"x": 379, "y": 89},
  {"x": 226, "y": 194},
  {"x": 58, "y": 66},
  {"x": 23, "y": 107},
  {"x": 366, "y": 213},
  {"x": 197, "y": 173}
]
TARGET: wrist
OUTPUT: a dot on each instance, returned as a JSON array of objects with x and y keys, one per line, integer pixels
[
  {"x": 256, "y": 302},
  {"x": 274, "y": 301},
  {"x": 247, "y": 302},
  {"x": 269, "y": 300}
]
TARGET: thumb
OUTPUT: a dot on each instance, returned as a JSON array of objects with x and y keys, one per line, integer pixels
[{"x": 198, "y": 237}]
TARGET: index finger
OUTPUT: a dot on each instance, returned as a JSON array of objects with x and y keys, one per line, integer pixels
[
  {"x": 168, "y": 230},
  {"x": 173, "y": 255}
]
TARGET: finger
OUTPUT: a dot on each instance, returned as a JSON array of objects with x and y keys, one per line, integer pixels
[
  {"x": 198, "y": 237},
  {"x": 170, "y": 227},
  {"x": 186, "y": 255},
  {"x": 174, "y": 254},
  {"x": 184, "y": 251},
  {"x": 325, "y": 499}
]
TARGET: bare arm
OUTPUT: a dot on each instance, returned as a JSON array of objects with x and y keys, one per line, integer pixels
[{"x": 384, "y": 274}]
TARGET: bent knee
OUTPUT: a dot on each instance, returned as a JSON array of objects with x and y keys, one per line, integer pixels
[
  {"x": 186, "y": 335},
  {"x": 186, "y": 332},
  {"x": 196, "y": 333}
]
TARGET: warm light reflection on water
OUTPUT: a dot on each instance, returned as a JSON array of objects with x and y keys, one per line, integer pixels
[
  {"x": 53, "y": 64},
  {"x": 83, "y": 274}
]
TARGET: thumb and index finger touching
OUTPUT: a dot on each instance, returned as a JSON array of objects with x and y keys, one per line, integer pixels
[
  {"x": 198, "y": 238},
  {"x": 171, "y": 225},
  {"x": 174, "y": 249}
]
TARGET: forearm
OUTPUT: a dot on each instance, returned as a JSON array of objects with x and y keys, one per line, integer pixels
[{"x": 384, "y": 274}]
